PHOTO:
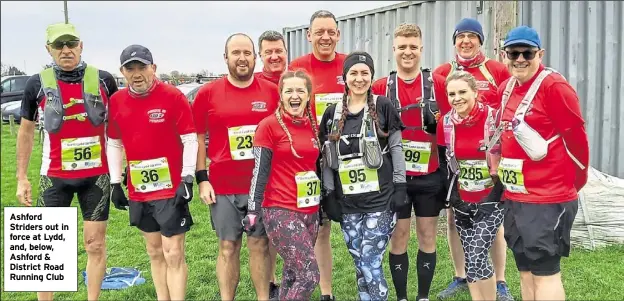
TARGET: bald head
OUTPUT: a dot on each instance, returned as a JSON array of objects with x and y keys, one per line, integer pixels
[{"x": 239, "y": 38}]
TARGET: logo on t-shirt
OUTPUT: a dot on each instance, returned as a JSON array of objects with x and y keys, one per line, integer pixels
[
  {"x": 314, "y": 143},
  {"x": 340, "y": 80},
  {"x": 483, "y": 85},
  {"x": 156, "y": 115},
  {"x": 259, "y": 106}
]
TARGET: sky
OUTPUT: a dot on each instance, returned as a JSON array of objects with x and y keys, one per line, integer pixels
[{"x": 186, "y": 36}]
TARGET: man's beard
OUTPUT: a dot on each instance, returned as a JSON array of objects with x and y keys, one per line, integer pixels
[{"x": 241, "y": 76}]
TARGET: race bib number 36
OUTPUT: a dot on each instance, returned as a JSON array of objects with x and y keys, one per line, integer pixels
[
  {"x": 150, "y": 175},
  {"x": 510, "y": 174},
  {"x": 356, "y": 178},
  {"x": 308, "y": 189},
  {"x": 322, "y": 101},
  {"x": 417, "y": 155},
  {"x": 81, "y": 153},
  {"x": 474, "y": 175},
  {"x": 241, "y": 141}
]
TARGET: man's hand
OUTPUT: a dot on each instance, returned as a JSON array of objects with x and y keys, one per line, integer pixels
[
  {"x": 24, "y": 192},
  {"x": 206, "y": 193},
  {"x": 118, "y": 197},
  {"x": 249, "y": 222},
  {"x": 484, "y": 210},
  {"x": 184, "y": 193}
]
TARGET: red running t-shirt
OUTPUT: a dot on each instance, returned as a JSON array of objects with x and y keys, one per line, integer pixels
[
  {"x": 487, "y": 91},
  {"x": 150, "y": 130},
  {"x": 554, "y": 110},
  {"x": 293, "y": 183},
  {"x": 230, "y": 115},
  {"x": 328, "y": 87},
  {"x": 420, "y": 148},
  {"x": 474, "y": 182}
]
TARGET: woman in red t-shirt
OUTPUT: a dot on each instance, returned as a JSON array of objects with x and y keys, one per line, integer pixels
[
  {"x": 286, "y": 186},
  {"x": 475, "y": 191}
]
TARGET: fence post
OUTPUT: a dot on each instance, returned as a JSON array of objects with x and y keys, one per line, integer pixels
[
  {"x": 11, "y": 123},
  {"x": 505, "y": 16}
]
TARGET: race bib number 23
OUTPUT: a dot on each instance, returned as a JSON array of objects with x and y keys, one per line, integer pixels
[
  {"x": 322, "y": 101},
  {"x": 510, "y": 174},
  {"x": 241, "y": 141}
]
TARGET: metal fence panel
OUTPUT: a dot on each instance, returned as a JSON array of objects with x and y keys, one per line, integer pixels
[{"x": 584, "y": 41}]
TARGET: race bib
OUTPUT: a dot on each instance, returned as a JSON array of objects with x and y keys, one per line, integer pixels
[
  {"x": 356, "y": 178},
  {"x": 241, "y": 141},
  {"x": 510, "y": 174},
  {"x": 474, "y": 175},
  {"x": 417, "y": 155},
  {"x": 150, "y": 175},
  {"x": 81, "y": 153},
  {"x": 308, "y": 189},
  {"x": 322, "y": 101}
]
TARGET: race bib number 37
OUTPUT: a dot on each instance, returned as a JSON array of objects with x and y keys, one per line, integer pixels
[
  {"x": 322, "y": 101},
  {"x": 510, "y": 174},
  {"x": 474, "y": 175},
  {"x": 241, "y": 141},
  {"x": 356, "y": 178},
  {"x": 308, "y": 189},
  {"x": 417, "y": 155},
  {"x": 150, "y": 175},
  {"x": 81, "y": 153}
]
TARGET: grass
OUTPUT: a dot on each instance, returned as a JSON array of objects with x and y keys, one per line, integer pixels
[{"x": 596, "y": 275}]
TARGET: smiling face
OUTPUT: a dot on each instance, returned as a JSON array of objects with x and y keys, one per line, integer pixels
[
  {"x": 139, "y": 76},
  {"x": 467, "y": 45},
  {"x": 294, "y": 95},
  {"x": 407, "y": 52},
  {"x": 523, "y": 61},
  {"x": 359, "y": 79},
  {"x": 240, "y": 57},
  {"x": 273, "y": 54},
  {"x": 65, "y": 51},
  {"x": 324, "y": 36},
  {"x": 462, "y": 94}
]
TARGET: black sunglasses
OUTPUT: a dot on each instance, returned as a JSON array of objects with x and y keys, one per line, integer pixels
[
  {"x": 58, "y": 45},
  {"x": 527, "y": 54}
]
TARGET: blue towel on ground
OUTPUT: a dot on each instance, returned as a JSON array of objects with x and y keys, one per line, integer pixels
[{"x": 119, "y": 278}]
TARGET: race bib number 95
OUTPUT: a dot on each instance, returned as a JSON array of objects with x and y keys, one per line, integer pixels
[
  {"x": 81, "y": 153},
  {"x": 356, "y": 178},
  {"x": 241, "y": 141},
  {"x": 150, "y": 175}
]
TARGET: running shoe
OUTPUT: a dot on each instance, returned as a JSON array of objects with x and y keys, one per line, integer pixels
[
  {"x": 456, "y": 286},
  {"x": 502, "y": 291}
]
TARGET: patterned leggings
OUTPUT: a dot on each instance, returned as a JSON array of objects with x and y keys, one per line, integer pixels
[
  {"x": 477, "y": 242},
  {"x": 293, "y": 234},
  {"x": 367, "y": 236}
]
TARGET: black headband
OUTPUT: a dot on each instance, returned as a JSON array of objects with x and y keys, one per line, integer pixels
[{"x": 356, "y": 58}]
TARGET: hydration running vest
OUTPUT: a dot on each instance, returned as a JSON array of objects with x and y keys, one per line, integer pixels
[
  {"x": 429, "y": 111},
  {"x": 486, "y": 73}
]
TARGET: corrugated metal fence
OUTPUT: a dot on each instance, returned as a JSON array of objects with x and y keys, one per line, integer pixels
[{"x": 583, "y": 40}]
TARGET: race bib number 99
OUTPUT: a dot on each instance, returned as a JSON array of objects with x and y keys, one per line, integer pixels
[
  {"x": 241, "y": 141},
  {"x": 417, "y": 155},
  {"x": 308, "y": 189},
  {"x": 81, "y": 153},
  {"x": 150, "y": 175},
  {"x": 474, "y": 175},
  {"x": 510, "y": 174},
  {"x": 322, "y": 101},
  {"x": 356, "y": 178}
]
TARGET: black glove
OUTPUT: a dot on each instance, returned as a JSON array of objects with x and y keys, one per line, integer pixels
[
  {"x": 399, "y": 200},
  {"x": 184, "y": 193},
  {"x": 125, "y": 177},
  {"x": 490, "y": 204},
  {"x": 332, "y": 206},
  {"x": 250, "y": 220},
  {"x": 463, "y": 215},
  {"x": 118, "y": 197}
]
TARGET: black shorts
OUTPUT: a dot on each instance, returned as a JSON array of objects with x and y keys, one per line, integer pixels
[
  {"x": 539, "y": 234},
  {"x": 160, "y": 216},
  {"x": 93, "y": 195},
  {"x": 426, "y": 194}
]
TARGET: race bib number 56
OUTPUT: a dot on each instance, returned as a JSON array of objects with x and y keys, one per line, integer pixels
[
  {"x": 150, "y": 175},
  {"x": 241, "y": 141},
  {"x": 510, "y": 174},
  {"x": 81, "y": 153},
  {"x": 356, "y": 178}
]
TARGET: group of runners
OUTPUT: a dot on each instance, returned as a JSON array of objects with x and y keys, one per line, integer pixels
[{"x": 298, "y": 146}]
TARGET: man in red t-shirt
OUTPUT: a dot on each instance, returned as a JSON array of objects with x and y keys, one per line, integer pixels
[
  {"x": 545, "y": 159},
  {"x": 324, "y": 65},
  {"x": 273, "y": 54},
  {"x": 72, "y": 96},
  {"x": 468, "y": 38},
  {"x": 229, "y": 110},
  {"x": 152, "y": 122}
]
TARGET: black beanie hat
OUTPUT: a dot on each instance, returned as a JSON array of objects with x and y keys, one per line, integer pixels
[{"x": 356, "y": 58}]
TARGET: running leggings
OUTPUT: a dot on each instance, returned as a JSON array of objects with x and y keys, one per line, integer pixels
[
  {"x": 476, "y": 242},
  {"x": 367, "y": 236},
  {"x": 293, "y": 235}
]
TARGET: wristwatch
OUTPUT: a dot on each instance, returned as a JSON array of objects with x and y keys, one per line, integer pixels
[{"x": 188, "y": 179}]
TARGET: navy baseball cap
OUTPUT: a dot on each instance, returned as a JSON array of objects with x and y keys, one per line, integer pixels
[
  {"x": 136, "y": 53},
  {"x": 523, "y": 35}
]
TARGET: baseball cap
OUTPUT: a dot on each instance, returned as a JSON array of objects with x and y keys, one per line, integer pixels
[
  {"x": 136, "y": 53},
  {"x": 55, "y": 31},
  {"x": 523, "y": 35}
]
